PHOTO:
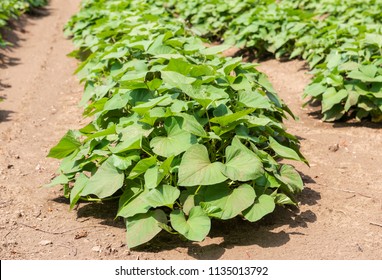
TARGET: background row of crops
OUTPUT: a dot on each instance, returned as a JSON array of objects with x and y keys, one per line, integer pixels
[
  {"x": 179, "y": 134},
  {"x": 12, "y": 9},
  {"x": 340, "y": 40}
]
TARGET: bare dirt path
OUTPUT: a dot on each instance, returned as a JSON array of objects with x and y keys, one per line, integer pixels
[{"x": 341, "y": 208}]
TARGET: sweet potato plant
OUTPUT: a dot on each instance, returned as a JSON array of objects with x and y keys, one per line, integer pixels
[{"x": 179, "y": 134}]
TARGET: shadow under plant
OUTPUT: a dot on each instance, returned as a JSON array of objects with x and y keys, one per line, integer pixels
[
  {"x": 232, "y": 233},
  {"x": 239, "y": 232}
]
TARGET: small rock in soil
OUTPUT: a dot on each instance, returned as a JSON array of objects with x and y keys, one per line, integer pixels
[
  {"x": 334, "y": 148},
  {"x": 81, "y": 234},
  {"x": 45, "y": 242},
  {"x": 96, "y": 248},
  {"x": 9, "y": 243}
]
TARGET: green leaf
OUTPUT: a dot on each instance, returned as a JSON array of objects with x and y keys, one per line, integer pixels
[
  {"x": 59, "y": 180},
  {"x": 335, "y": 113},
  {"x": 348, "y": 66},
  {"x": 190, "y": 124},
  {"x": 176, "y": 79},
  {"x": 228, "y": 119},
  {"x": 197, "y": 169},
  {"x": 164, "y": 195},
  {"x": 195, "y": 228},
  {"x": 335, "y": 80},
  {"x": 155, "y": 174},
  {"x": 230, "y": 202},
  {"x": 206, "y": 95},
  {"x": 231, "y": 64},
  {"x": 334, "y": 59},
  {"x": 366, "y": 73},
  {"x": 282, "y": 199},
  {"x": 291, "y": 177},
  {"x": 118, "y": 101},
  {"x": 215, "y": 49},
  {"x": 105, "y": 132},
  {"x": 67, "y": 145},
  {"x": 189, "y": 203},
  {"x": 106, "y": 181},
  {"x": 143, "y": 227},
  {"x": 131, "y": 137},
  {"x": 254, "y": 99},
  {"x": 124, "y": 162},
  {"x": 369, "y": 70},
  {"x": 146, "y": 106},
  {"x": 79, "y": 185},
  {"x": 332, "y": 97},
  {"x": 151, "y": 177},
  {"x": 263, "y": 80},
  {"x": 352, "y": 100},
  {"x": 283, "y": 151},
  {"x": 376, "y": 39},
  {"x": 142, "y": 166},
  {"x": 315, "y": 89},
  {"x": 179, "y": 65},
  {"x": 176, "y": 142},
  {"x": 242, "y": 164},
  {"x": 264, "y": 205},
  {"x": 132, "y": 202}
]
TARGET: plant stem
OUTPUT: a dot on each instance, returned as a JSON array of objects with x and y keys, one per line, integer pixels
[
  {"x": 90, "y": 199},
  {"x": 197, "y": 190}
]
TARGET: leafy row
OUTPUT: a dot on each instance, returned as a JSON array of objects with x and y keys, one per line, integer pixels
[
  {"x": 11, "y": 9},
  {"x": 180, "y": 134},
  {"x": 341, "y": 41}
]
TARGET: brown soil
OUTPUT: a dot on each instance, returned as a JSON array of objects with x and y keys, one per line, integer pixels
[{"x": 340, "y": 216}]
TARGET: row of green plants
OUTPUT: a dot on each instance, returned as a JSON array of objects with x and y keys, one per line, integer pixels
[
  {"x": 179, "y": 134},
  {"x": 12, "y": 9},
  {"x": 340, "y": 40}
]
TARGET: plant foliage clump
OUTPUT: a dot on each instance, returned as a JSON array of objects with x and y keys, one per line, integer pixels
[
  {"x": 340, "y": 40},
  {"x": 11, "y": 9},
  {"x": 180, "y": 134}
]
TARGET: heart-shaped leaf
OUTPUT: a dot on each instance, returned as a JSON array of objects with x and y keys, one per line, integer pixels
[
  {"x": 176, "y": 142},
  {"x": 164, "y": 195},
  {"x": 132, "y": 202},
  {"x": 332, "y": 97},
  {"x": 197, "y": 169},
  {"x": 242, "y": 164},
  {"x": 143, "y": 227},
  {"x": 106, "y": 181},
  {"x": 195, "y": 227},
  {"x": 291, "y": 177},
  {"x": 230, "y": 202},
  {"x": 264, "y": 205}
]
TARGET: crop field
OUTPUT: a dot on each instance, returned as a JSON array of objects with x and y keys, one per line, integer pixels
[{"x": 141, "y": 129}]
